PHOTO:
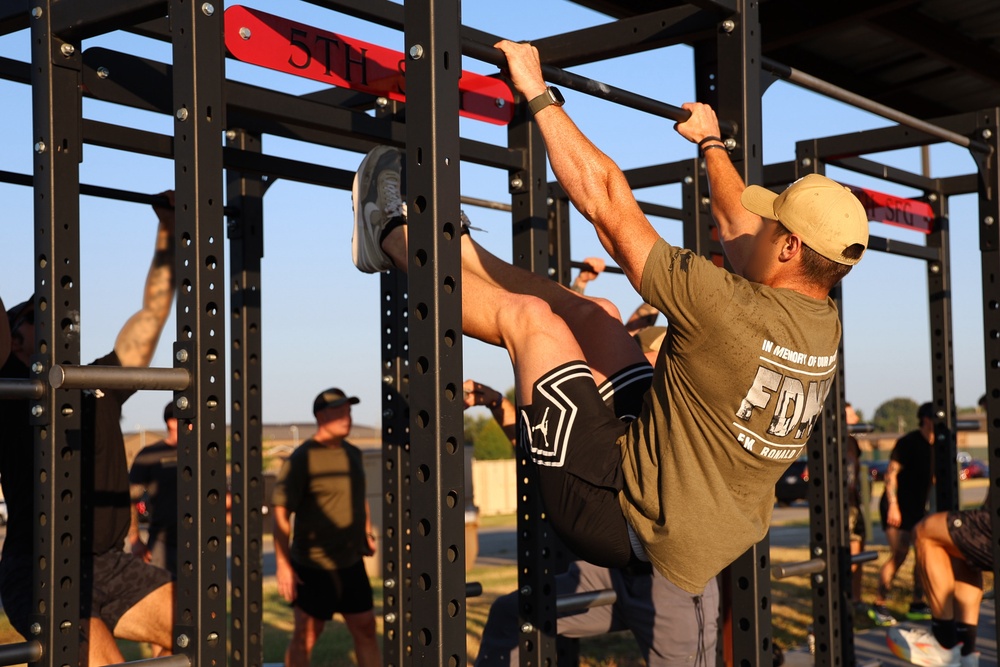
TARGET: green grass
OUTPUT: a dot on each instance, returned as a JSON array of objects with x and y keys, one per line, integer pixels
[{"x": 791, "y": 610}]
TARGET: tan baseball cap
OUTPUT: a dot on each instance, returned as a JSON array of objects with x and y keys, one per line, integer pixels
[{"x": 824, "y": 213}]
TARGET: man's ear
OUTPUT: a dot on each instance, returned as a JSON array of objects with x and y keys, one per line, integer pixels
[{"x": 791, "y": 246}]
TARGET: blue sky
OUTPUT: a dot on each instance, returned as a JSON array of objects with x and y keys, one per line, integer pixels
[{"x": 320, "y": 315}]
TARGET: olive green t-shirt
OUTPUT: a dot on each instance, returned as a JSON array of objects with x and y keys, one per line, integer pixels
[
  {"x": 739, "y": 383},
  {"x": 324, "y": 488}
]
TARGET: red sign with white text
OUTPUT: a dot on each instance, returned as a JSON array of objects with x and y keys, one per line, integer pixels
[
  {"x": 898, "y": 211},
  {"x": 271, "y": 41}
]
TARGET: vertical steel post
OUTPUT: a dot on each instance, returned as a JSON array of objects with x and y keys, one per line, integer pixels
[
  {"x": 828, "y": 526},
  {"x": 942, "y": 358},
  {"x": 536, "y": 543},
  {"x": 245, "y": 194},
  {"x": 437, "y": 483},
  {"x": 396, "y": 478},
  {"x": 989, "y": 246},
  {"x": 199, "y": 119},
  {"x": 560, "y": 259},
  {"x": 59, "y": 540},
  {"x": 735, "y": 91}
]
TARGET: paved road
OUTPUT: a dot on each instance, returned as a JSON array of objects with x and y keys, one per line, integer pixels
[{"x": 498, "y": 546}]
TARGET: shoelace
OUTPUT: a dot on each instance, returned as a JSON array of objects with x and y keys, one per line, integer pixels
[{"x": 395, "y": 206}]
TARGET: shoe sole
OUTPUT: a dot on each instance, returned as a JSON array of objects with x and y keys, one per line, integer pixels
[
  {"x": 900, "y": 647},
  {"x": 360, "y": 227}
]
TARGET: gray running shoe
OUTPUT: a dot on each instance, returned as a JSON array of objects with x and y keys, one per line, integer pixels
[
  {"x": 376, "y": 197},
  {"x": 881, "y": 616}
]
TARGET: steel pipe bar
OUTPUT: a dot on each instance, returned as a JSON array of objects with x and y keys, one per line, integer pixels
[
  {"x": 16, "y": 654},
  {"x": 810, "y": 82},
  {"x": 864, "y": 557},
  {"x": 812, "y": 566},
  {"x": 178, "y": 660},
  {"x": 11, "y": 388},
  {"x": 62, "y": 376},
  {"x": 607, "y": 269},
  {"x": 473, "y": 589},
  {"x": 592, "y": 87},
  {"x": 486, "y": 203},
  {"x": 579, "y": 601}
]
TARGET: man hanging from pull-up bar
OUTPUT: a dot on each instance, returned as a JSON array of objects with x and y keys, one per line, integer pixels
[
  {"x": 742, "y": 375},
  {"x": 120, "y": 596}
]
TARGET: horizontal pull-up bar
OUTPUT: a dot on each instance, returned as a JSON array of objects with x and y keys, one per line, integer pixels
[
  {"x": 16, "y": 654},
  {"x": 810, "y": 82},
  {"x": 160, "y": 201},
  {"x": 588, "y": 86},
  {"x": 580, "y": 601},
  {"x": 177, "y": 660},
  {"x": 607, "y": 269},
  {"x": 11, "y": 388},
  {"x": 815, "y": 565},
  {"x": 116, "y": 377}
]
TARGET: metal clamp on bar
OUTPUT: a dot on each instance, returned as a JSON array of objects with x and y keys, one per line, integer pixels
[
  {"x": 580, "y": 601},
  {"x": 16, "y": 654},
  {"x": 177, "y": 660},
  {"x": 116, "y": 377},
  {"x": 797, "y": 569},
  {"x": 473, "y": 589},
  {"x": 864, "y": 557},
  {"x": 11, "y": 388}
]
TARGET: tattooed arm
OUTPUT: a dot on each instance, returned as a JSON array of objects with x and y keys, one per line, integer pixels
[{"x": 138, "y": 338}]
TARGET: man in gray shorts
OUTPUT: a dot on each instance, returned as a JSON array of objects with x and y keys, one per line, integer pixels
[
  {"x": 671, "y": 626},
  {"x": 953, "y": 550}
]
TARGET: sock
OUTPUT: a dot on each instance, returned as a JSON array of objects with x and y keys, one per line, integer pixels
[
  {"x": 393, "y": 222},
  {"x": 946, "y": 632},
  {"x": 967, "y": 635}
]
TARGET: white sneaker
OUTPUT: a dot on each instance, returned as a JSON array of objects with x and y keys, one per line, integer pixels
[
  {"x": 377, "y": 199},
  {"x": 971, "y": 660},
  {"x": 919, "y": 646}
]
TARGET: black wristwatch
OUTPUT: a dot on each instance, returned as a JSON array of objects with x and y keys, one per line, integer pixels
[{"x": 550, "y": 96}]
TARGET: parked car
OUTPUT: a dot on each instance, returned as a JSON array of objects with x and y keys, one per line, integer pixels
[
  {"x": 876, "y": 470},
  {"x": 794, "y": 484},
  {"x": 970, "y": 468}
]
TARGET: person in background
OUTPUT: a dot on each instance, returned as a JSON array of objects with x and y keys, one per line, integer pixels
[{"x": 154, "y": 473}]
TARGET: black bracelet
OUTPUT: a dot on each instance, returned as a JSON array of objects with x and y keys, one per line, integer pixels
[
  {"x": 722, "y": 146},
  {"x": 710, "y": 138}
]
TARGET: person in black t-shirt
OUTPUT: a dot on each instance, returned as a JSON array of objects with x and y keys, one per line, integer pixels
[
  {"x": 154, "y": 472},
  {"x": 120, "y": 596},
  {"x": 904, "y": 503}
]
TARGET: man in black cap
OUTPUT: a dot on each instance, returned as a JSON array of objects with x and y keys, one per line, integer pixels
[
  {"x": 321, "y": 571},
  {"x": 154, "y": 472},
  {"x": 904, "y": 503},
  {"x": 120, "y": 596}
]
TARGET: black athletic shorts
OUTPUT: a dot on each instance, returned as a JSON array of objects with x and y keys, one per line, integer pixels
[
  {"x": 971, "y": 531},
  {"x": 115, "y": 583},
  {"x": 324, "y": 593},
  {"x": 571, "y": 434}
]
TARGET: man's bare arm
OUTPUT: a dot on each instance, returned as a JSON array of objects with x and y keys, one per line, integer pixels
[
  {"x": 737, "y": 226},
  {"x": 137, "y": 340},
  {"x": 593, "y": 182}
]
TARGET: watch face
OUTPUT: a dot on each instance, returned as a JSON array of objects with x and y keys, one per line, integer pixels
[{"x": 557, "y": 96}]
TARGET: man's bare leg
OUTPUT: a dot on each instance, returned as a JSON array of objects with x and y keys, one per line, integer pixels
[
  {"x": 362, "y": 629},
  {"x": 151, "y": 620},
  {"x": 101, "y": 646},
  {"x": 590, "y": 329},
  {"x": 307, "y": 631},
  {"x": 536, "y": 339}
]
